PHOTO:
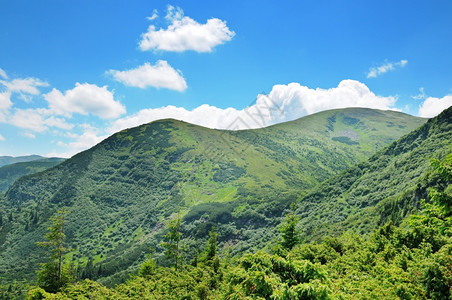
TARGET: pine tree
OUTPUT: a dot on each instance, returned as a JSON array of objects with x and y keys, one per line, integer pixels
[
  {"x": 289, "y": 232},
  {"x": 88, "y": 272},
  {"x": 172, "y": 251},
  {"x": 148, "y": 267},
  {"x": 53, "y": 275},
  {"x": 210, "y": 254}
]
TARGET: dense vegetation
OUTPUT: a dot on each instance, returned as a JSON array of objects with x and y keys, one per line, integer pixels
[
  {"x": 11, "y": 172},
  {"x": 121, "y": 193},
  {"x": 386, "y": 187},
  {"x": 410, "y": 261}
]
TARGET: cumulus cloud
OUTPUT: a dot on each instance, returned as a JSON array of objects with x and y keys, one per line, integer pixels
[
  {"x": 85, "y": 99},
  {"x": 88, "y": 138},
  {"x": 184, "y": 33},
  {"x": 24, "y": 85},
  {"x": 2, "y": 138},
  {"x": 390, "y": 66},
  {"x": 160, "y": 75},
  {"x": 432, "y": 106},
  {"x": 37, "y": 120},
  {"x": 283, "y": 103},
  {"x": 26, "y": 88}
]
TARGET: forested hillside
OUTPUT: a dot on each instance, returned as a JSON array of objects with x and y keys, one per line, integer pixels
[
  {"x": 410, "y": 261},
  {"x": 9, "y": 173},
  {"x": 387, "y": 187},
  {"x": 121, "y": 193}
]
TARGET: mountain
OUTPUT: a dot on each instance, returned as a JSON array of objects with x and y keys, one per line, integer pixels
[
  {"x": 9, "y": 173},
  {"x": 6, "y": 160},
  {"x": 388, "y": 186},
  {"x": 121, "y": 192}
]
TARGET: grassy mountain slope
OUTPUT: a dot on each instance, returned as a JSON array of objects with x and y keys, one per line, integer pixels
[
  {"x": 121, "y": 192},
  {"x": 386, "y": 187},
  {"x": 6, "y": 160},
  {"x": 9, "y": 173}
]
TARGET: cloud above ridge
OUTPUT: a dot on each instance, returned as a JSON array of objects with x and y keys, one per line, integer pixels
[
  {"x": 432, "y": 106},
  {"x": 184, "y": 34},
  {"x": 283, "y": 103}
]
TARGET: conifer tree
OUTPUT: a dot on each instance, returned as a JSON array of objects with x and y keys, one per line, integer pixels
[
  {"x": 172, "y": 251},
  {"x": 52, "y": 275},
  {"x": 211, "y": 246},
  {"x": 289, "y": 232},
  {"x": 148, "y": 267},
  {"x": 210, "y": 253}
]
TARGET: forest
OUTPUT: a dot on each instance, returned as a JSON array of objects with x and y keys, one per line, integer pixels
[{"x": 412, "y": 260}]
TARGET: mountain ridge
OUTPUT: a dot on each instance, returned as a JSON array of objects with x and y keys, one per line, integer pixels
[
  {"x": 6, "y": 160},
  {"x": 10, "y": 172},
  {"x": 121, "y": 191}
]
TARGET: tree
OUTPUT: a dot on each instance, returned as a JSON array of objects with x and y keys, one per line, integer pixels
[
  {"x": 211, "y": 247},
  {"x": 210, "y": 253},
  {"x": 88, "y": 272},
  {"x": 148, "y": 267},
  {"x": 443, "y": 199},
  {"x": 53, "y": 274},
  {"x": 289, "y": 232},
  {"x": 172, "y": 251}
]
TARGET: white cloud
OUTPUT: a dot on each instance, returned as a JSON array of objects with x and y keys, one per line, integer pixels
[
  {"x": 2, "y": 138},
  {"x": 29, "y": 135},
  {"x": 90, "y": 137},
  {"x": 421, "y": 94},
  {"x": 5, "y": 104},
  {"x": 28, "y": 119},
  {"x": 161, "y": 75},
  {"x": 390, "y": 66},
  {"x": 432, "y": 106},
  {"x": 184, "y": 33},
  {"x": 26, "y": 85},
  {"x": 174, "y": 13},
  {"x": 85, "y": 99},
  {"x": 283, "y": 103},
  {"x": 37, "y": 120},
  {"x": 154, "y": 16},
  {"x": 61, "y": 123},
  {"x": 3, "y": 74}
]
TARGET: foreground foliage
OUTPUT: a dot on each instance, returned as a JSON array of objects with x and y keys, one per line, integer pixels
[{"x": 410, "y": 261}]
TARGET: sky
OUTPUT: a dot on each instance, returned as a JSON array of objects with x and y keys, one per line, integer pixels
[{"x": 74, "y": 72}]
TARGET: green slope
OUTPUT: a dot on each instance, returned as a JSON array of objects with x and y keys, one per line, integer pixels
[
  {"x": 388, "y": 186},
  {"x": 121, "y": 192},
  {"x": 9, "y": 173}
]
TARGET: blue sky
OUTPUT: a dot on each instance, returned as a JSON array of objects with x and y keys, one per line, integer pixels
[{"x": 74, "y": 72}]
